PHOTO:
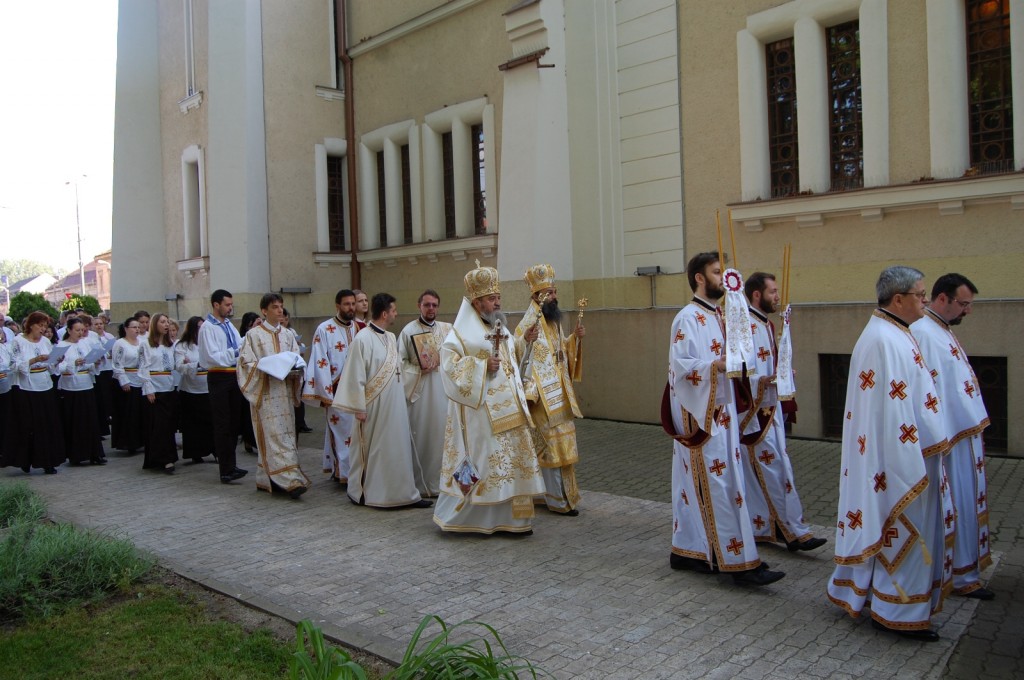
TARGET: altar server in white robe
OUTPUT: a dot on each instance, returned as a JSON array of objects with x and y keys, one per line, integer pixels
[
  {"x": 894, "y": 533},
  {"x": 772, "y": 499},
  {"x": 272, "y": 400},
  {"x": 331, "y": 343},
  {"x": 965, "y": 414},
  {"x": 419, "y": 346},
  {"x": 555, "y": 362},
  {"x": 381, "y": 457},
  {"x": 711, "y": 529},
  {"x": 490, "y": 473}
]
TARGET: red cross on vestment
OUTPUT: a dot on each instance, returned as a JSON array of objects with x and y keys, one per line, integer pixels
[
  {"x": 948, "y": 519},
  {"x": 734, "y": 546},
  {"x": 890, "y": 534},
  {"x": 334, "y": 419},
  {"x": 947, "y": 564},
  {"x": 701, "y": 318},
  {"x": 348, "y": 442},
  {"x": 339, "y": 346},
  {"x": 679, "y": 336},
  {"x": 984, "y": 539},
  {"x": 981, "y": 499},
  {"x": 980, "y": 465},
  {"x": 316, "y": 338},
  {"x": 739, "y": 500},
  {"x": 879, "y": 482},
  {"x": 682, "y": 494},
  {"x": 766, "y": 457},
  {"x": 898, "y": 390},
  {"x": 918, "y": 360},
  {"x": 312, "y": 382},
  {"x": 758, "y": 522},
  {"x": 334, "y": 369},
  {"x": 855, "y": 519},
  {"x": 331, "y": 328},
  {"x": 789, "y": 486},
  {"x": 932, "y": 403},
  {"x": 322, "y": 363},
  {"x": 862, "y": 440},
  {"x": 694, "y": 378},
  {"x": 763, "y": 354},
  {"x": 867, "y": 380},
  {"x": 329, "y": 389},
  {"x": 954, "y": 350},
  {"x": 969, "y": 389},
  {"x": 724, "y": 419},
  {"x": 753, "y": 328},
  {"x": 716, "y": 347},
  {"x": 909, "y": 434},
  {"x": 717, "y": 467}
]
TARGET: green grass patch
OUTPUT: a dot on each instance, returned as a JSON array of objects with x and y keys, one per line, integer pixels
[
  {"x": 151, "y": 632},
  {"x": 19, "y": 503}
]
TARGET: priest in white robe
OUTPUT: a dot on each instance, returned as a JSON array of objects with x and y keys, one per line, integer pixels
[
  {"x": 965, "y": 415},
  {"x": 711, "y": 529},
  {"x": 772, "y": 499},
  {"x": 555, "y": 362},
  {"x": 894, "y": 533},
  {"x": 330, "y": 348},
  {"x": 381, "y": 455},
  {"x": 272, "y": 400},
  {"x": 490, "y": 474},
  {"x": 419, "y": 346}
]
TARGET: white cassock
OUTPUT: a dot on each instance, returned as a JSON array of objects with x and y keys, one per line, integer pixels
[
  {"x": 381, "y": 458},
  {"x": 894, "y": 533},
  {"x": 710, "y": 522},
  {"x": 489, "y": 475},
  {"x": 555, "y": 362},
  {"x": 272, "y": 406},
  {"x": 331, "y": 343},
  {"x": 966, "y": 417},
  {"x": 772, "y": 499},
  {"x": 428, "y": 404}
]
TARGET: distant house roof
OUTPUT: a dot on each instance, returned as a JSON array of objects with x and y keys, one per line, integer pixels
[{"x": 33, "y": 284}]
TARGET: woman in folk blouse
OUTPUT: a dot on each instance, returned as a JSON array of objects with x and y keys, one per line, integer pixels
[
  {"x": 76, "y": 386},
  {"x": 193, "y": 395},
  {"x": 156, "y": 367},
  {"x": 127, "y": 423},
  {"x": 37, "y": 437}
]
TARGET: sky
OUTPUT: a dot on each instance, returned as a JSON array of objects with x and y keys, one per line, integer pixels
[{"x": 57, "y": 66}]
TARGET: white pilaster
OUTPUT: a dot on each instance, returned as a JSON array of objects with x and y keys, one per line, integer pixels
[
  {"x": 947, "y": 88},
  {"x": 813, "y": 104},
  {"x": 755, "y": 173}
]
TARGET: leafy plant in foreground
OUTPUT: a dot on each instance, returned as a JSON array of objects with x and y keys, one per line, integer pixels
[{"x": 18, "y": 503}]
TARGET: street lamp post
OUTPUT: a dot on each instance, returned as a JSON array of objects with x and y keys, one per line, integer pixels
[{"x": 78, "y": 228}]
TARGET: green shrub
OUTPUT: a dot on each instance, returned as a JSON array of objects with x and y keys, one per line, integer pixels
[
  {"x": 325, "y": 663},
  {"x": 18, "y": 503},
  {"x": 24, "y": 304},
  {"x": 87, "y": 302}
]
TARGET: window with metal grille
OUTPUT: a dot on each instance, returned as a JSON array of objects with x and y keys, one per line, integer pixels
[
  {"x": 989, "y": 93},
  {"x": 479, "y": 179},
  {"x": 846, "y": 135},
  {"x": 448, "y": 161},
  {"x": 336, "y": 203},
  {"x": 833, "y": 371},
  {"x": 992, "y": 376},
  {"x": 382, "y": 204},
  {"x": 782, "y": 138}
]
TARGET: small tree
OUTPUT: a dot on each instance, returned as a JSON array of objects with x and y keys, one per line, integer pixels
[
  {"x": 24, "y": 304},
  {"x": 87, "y": 302}
]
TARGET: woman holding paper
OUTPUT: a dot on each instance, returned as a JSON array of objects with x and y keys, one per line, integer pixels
[
  {"x": 127, "y": 431},
  {"x": 77, "y": 372},
  {"x": 105, "y": 377},
  {"x": 156, "y": 364},
  {"x": 37, "y": 439}
]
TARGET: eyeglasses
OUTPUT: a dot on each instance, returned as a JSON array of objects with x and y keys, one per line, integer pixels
[
  {"x": 964, "y": 305},
  {"x": 919, "y": 293}
]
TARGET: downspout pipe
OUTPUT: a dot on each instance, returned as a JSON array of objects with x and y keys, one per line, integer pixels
[{"x": 341, "y": 31}]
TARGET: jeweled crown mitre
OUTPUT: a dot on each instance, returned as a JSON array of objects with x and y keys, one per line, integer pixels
[
  {"x": 540, "y": 276},
  {"x": 482, "y": 281}
]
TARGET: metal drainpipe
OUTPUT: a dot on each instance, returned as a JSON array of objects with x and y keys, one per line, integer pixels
[{"x": 341, "y": 30}]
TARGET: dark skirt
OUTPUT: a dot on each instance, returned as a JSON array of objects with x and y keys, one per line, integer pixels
[
  {"x": 103, "y": 396},
  {"x": 5, "y": 425},
  {"x": 196, "y": 425},
  {"x": 81, "y": 427},
  {"x": 37, "y": 438},
  {"x": 248, "y": 434},
  {"x": 128, "y": 433},
  {"x": 161, "y": 424}
]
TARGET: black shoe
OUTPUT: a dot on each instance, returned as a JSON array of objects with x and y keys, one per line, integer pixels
[
  {"x": 761, "y": 576},
  {"x": 808, "y": 544},
  {"x": 296, "y": 492},
  {"x": 50, "y": 470},
  {"x": 250, "y": 449},
  {"x": 925, "y": 635},
  {"x": 194, "y": 461},
  {"x": 226, "y": 479},
  {"x": 99, "y": 461},
  {"x": 237, "y": 473},
  {"x": 169, "y": 470},
  {"x": 569, "y": 513},
  {"x": 26, "y": 469},
  {"x": 305, "y": 430},
  {"x": 353, "y": 501},
  {"x": 514, "y": 534},
  {"x": 691, "y": 564},
  {"x": 980, "y": 594},
  {"x": 421, "y": 503}
]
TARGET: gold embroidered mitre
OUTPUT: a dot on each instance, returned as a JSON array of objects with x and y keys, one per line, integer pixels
[
  {"x": 482, "y": 281},
  {"x": 539, "y": 277}
]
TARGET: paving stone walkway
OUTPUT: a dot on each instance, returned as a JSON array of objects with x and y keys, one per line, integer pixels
[{"x": 585, "y": 597}]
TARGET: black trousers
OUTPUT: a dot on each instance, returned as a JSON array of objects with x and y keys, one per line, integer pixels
[{"x": 225, "y": 409}]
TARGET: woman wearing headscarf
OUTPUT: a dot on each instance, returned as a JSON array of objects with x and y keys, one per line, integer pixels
[
  {"x": 78, "y": 396},
  {"x": 37, "y": 437},
  {"x": 156, "y": 366},
  {"x": 127, "y": 431}
]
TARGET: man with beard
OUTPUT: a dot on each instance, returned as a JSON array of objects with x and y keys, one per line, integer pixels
[
  {"x": 555, "y": 361},
  {"x": 331, "y": 343},
  {"x": 711, "y": 529},
  {"x": 419, "y": 346},
  {"x": 964, "y": 411},
  {"x": 772, "y": 501},
  {"x": 489, "y": 474}
]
